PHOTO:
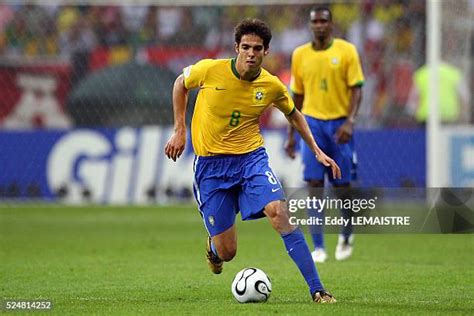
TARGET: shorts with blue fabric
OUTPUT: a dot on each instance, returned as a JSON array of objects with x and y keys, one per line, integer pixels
[
  {"x": 225, "y": 185},
  {"x": 324, "y": 132}
]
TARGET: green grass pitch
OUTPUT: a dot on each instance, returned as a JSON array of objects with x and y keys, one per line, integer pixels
[{"x": 150, "y": 260}]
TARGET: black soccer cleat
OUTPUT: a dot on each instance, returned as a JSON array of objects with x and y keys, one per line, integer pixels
[{"x": 214, "y": 262}]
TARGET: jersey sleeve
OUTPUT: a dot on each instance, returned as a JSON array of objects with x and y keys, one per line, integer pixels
[
  {"x": 296, "y": 82},
  {"x": 194, "y": 75},
  {"x": 355, "y": 76},
  {"x": 283, "y": 101}
]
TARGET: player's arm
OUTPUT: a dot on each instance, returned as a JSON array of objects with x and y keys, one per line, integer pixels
[
  {"x": 355, "y": 80},
  {"x": 299, "y": 123},
  {"x": 345, "y": 131},
  {"x": 175, "y": 145},
  {"x": 290, "y": 143}
]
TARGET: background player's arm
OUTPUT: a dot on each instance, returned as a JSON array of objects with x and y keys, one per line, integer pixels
[
  {"x": 345, "y": 131},
  {"x": 290, "y": 141},
  {"x": 298, "y": 121},
  {"x": 175, "y": 145}
]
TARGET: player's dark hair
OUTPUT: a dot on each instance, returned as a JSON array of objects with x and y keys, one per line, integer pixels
[
  {"x": 256, "y": 27},
  {"x": 322, "y": 8}
]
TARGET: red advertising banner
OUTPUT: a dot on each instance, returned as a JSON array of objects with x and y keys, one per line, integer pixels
[{"x": 33, "y": 96}]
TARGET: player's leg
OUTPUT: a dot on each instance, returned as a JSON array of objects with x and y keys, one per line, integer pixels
[
  {"x": 343, "y": 154},
  {"x": 319, "y": 253},
  {"x": 345, "y": 241},
  {"x": 218, "y": 214},
  {"x": 224, "y": 245},
  {"x": 218, "y": 205},
  {"x": 297, "y": 249},
  {"x": 313, "y": 174},
  {"x": 262, "y": 195}
]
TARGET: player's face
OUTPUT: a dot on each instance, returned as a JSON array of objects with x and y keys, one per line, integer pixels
[
  {"x": 250, "y": 52},
  {"x": 321, "y": 24}
]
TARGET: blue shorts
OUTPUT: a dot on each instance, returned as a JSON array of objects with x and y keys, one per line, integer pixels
[
  {"x": 324, "y": 132},
  {"x": 225, "y": 185}
]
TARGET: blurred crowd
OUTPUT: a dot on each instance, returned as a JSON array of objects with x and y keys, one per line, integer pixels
[
  {"x": 34, "y": 30},
  {"x": 389, "y": 35}
]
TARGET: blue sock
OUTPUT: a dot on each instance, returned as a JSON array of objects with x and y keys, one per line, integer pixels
[
  {"x": 298, "y": 250},
  {"x": 317, "y": 231}
]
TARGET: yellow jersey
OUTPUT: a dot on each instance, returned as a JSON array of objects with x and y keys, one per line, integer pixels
[
  {"x": 227, "y": 110},
  {"x": 325, "y": 77}
]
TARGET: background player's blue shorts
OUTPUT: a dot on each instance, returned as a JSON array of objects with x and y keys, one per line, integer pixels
[
  {"x": 324, "y": 132},
  {"x": 227, "y": 184}
]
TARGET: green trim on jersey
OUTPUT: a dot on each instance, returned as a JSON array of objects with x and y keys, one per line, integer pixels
[
  {"x": 358, "y": 84},
  {"x": 236, "y": 73},
  {"x": 318, "y": 50},
  {"x": 292, "y": 111},
  {"x": 234, "y": 69}
]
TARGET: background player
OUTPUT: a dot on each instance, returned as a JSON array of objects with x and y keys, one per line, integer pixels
[
  {"x": 326, "y": 83},
  {"x": 231, "y": 167}
]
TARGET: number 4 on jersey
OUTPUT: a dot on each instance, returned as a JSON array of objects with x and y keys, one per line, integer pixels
[{"x": 324, "y": 85}]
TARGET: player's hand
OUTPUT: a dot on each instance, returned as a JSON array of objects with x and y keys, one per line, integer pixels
[
  {"x": 175, "y": 145},
  {"x": 328, "y": 162},
  {"x": 344, "y": 132},
  {"x": 290, "y": 145}
]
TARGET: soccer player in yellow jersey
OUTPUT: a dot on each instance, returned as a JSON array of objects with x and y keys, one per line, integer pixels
[
  {"x": 326, "y": 81},
  {"x": 231, "y": 170}
]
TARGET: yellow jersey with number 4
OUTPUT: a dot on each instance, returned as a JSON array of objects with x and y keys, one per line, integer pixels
[
  {"x": 325, "y": 77},
  {"x": 227, "y": 111}
]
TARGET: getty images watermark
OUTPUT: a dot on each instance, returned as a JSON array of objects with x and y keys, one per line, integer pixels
[
  {"x": 351, "y": 207},
  {"x": 383, "y": 210}
]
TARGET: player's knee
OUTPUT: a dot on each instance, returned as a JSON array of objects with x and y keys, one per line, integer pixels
[
  {"x": 273, "y": 210},
  {"x": 278, "y": 215}
]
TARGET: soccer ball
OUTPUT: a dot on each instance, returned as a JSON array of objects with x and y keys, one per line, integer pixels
[{"x": 251, "y": 285}]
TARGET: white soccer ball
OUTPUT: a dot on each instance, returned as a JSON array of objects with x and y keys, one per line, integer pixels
[{"x": 251, "y": 285}]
